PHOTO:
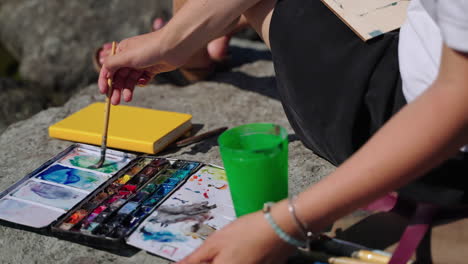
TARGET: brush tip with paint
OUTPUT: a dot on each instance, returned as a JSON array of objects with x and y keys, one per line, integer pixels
[{"x": 106, "y": 119}]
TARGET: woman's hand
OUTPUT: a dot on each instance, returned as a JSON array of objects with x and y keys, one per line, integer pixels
[
  {"x": 248, "y": 240},
  {"x": 136, "y": 62}
]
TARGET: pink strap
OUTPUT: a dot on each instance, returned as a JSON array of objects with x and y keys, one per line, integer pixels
[
  {"x": 414, "y": 233},
  {"x": 419, "y": 224}
]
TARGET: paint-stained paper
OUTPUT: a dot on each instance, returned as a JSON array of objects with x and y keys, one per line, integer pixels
[{"x": 187, "y": 217}]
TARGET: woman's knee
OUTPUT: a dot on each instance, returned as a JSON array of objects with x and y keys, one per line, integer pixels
[{"x": 259, "y": 18}]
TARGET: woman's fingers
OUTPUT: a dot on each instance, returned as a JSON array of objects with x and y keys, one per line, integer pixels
[
  {"x": 115, "y": 98},
  {"x": 102, "y": 81},
  {"x": 123, "y": 84},
  {"x": 132, "y": 80}
]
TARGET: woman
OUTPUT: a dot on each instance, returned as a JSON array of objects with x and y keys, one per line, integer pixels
[{"x": 345, "y": 99}]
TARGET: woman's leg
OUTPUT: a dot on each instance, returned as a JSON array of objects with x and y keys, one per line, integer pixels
[
  {"x": 214, "y": 51},
  {"x": 335, "y": 88},
  {"x": 259, "y": 18}
]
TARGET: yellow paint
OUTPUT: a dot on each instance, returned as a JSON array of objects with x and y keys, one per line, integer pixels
[{"x": 124, "y": 179}]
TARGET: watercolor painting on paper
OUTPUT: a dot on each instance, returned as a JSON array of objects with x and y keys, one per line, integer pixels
[
  {"x": 84, "y": 158},
  {"x": 181, "y": 224},
  {"x": 84, "y": 180},
  {"x": 21, "y": 212},
  {"x": 48, "y": 194}
]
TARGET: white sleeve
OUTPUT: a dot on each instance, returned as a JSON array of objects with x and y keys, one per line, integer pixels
[{"x": 452, "y": 16}]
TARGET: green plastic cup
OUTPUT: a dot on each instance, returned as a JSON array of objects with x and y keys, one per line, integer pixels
[{"x": 255, "y": 158}]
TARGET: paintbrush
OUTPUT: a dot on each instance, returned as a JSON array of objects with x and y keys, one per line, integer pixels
[
  {"x": 326, "y": 258},
  {"x": 349, "y": 249},
  {"x": 106, "y": 119},
  {"x": 194, "y": 139},
  {"x": 198, "y": 138}
]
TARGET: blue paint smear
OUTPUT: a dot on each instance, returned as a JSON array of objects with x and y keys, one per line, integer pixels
[
  {"x": 52, "y": 192},
  {"x": 178, "y": 199},
  {"x": 161, "y": 236},
  {"x": 375, "y": 33},
  {"x": 71, "y": 177},
  {"x": 191, "y": 190}
]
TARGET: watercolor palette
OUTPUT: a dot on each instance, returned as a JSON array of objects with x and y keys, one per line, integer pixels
[{"x": 164, "y": 206}]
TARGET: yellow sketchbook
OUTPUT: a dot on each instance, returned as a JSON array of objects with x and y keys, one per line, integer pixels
[{"x": 130, "y": 128}]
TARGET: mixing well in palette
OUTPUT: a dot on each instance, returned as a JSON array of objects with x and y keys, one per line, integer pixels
[
  {"x": 124, "y": 203},
  {"x": 80, "y": 179},
  {"x": 48, "y": 194},
  {"x": 84, "y": 158},
  {"x": 21, "y": 212}
]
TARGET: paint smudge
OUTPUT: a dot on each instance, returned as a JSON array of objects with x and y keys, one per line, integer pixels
[
  {"x": 83, "y": 158},
  {"x": 188, "y": 189},
  {"x": 198, "y": 212},
  {"x": 220, "y": 187},
  {"x": 49, "y": 194},
  {"x": 88, "y": 161},
  {"x": 71, "y": 177},
  {"x": 198, "y": 231},
  {"x": 52, "y": 192},
  {"x": 168, "y": 250},
  {"x": 161, "y": 236},
  {"x": 193, "y": 178},
  {"x": 216, "y": 173},
  {"x": 178, "y": 199}
]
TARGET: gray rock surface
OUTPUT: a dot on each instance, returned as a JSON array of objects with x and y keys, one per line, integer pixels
[
  {"x": 20, "y": 100},
  {"x": 244, "y": 95},
  {"x": 54, "y": 40}
]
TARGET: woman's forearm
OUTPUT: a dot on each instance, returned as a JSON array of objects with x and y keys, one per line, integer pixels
[{"x": 198, "y": 22}]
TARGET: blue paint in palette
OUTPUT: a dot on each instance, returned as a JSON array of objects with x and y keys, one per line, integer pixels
[
  {"x": 172, "y": 181},
  {"x": 71, "y": 177},
  {"x": 191, "y": 166}
]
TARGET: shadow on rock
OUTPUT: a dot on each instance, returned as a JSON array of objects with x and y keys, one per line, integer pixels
[
  {"x": 263, "y": 85},
  {"x": 240, "y": 56}
]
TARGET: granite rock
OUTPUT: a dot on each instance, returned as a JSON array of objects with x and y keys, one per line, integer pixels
[
  {"x": 20, "y": 100},
  {"x": 54, "y": 40}
]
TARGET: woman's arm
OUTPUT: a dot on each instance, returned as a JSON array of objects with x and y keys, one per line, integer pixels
[
  {"x": 418, "y": 138},
  {"x": 421, "y": 136},
  {"x": 196, "y": 23}
]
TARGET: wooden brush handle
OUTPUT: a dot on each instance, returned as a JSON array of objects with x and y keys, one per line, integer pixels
[{"x": 108, "y": 106}]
